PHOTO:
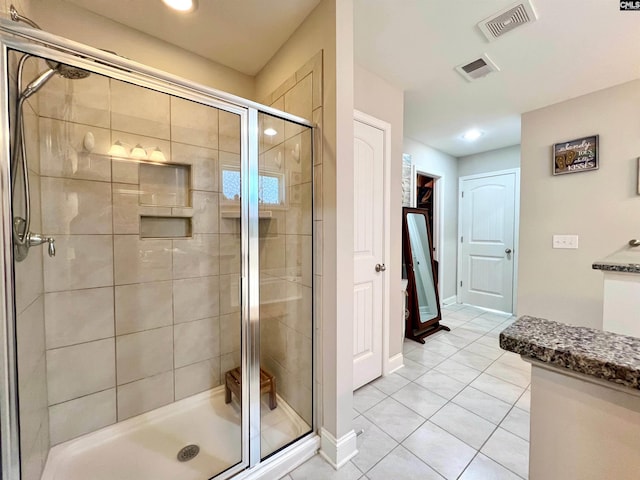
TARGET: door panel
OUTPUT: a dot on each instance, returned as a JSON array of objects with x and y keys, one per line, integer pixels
[
  {"x": 487, "y": 212},
  {"x": 368, "y": 252},
  {"x": 126, "y": 329}
]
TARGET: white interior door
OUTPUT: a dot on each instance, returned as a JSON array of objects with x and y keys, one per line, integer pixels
[
  {"x": 487, "y": 240},
  {"x": 368, "y": 301}
]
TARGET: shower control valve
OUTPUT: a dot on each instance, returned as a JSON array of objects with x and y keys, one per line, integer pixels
[{"x": 36, "y": 239}]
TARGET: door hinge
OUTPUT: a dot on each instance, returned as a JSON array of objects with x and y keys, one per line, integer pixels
[
  {"x": 460, "y": 282},
  {"x": 462, "y": 194},
  {"x": 461, "y": 239}
]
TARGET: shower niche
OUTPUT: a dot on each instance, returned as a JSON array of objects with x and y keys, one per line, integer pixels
[
  {"x": 164, "y": 198},
  {"x": 124, "y": 338}
]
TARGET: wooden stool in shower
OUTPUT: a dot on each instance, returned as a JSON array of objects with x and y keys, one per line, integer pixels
[{"x": 233, "y": 383}]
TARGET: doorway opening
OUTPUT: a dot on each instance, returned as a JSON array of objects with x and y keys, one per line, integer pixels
[
  {"x": 428, "y": 196},
  {"x": 425, "y": 185}
]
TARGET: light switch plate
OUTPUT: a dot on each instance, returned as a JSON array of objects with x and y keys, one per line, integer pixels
[{"x": 565, "y": 241}]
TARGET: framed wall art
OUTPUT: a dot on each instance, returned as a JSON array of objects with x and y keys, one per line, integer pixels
[{"x": 579, "y": 155}]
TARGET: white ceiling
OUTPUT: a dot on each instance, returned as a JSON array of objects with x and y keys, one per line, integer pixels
[
  {"x": 575, "y": 47},
  {"x": 241, "y": 34}
]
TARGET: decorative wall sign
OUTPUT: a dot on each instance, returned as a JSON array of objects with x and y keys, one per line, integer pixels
[{"x": 578, "y": 155}]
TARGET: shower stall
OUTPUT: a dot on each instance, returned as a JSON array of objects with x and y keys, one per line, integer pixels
[{"x": 157, "y": 272}]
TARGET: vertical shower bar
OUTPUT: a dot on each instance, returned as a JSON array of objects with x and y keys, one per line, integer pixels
[
  {"x": 8, "y": 396},
  {"x": 253, "y": 346}
]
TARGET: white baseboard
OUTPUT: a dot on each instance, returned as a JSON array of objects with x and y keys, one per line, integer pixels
[
  {"x": 338, "y": 451},
  {"x": 395, "y": 363},
  {"x": 450, "y": 300},
  {"x": 281, "y": 464}
]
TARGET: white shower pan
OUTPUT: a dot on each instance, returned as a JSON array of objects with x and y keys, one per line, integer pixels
[{"x": 146, "y": 446}]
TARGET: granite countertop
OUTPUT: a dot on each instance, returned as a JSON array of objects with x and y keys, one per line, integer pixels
[
  {"x": 605, "y": 355},
  {"x": 617, "y": 267}
]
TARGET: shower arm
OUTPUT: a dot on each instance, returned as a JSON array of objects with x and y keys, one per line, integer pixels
[{"x": 16, "y": 17}]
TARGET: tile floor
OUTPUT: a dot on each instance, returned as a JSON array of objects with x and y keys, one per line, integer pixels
[{"x": 458, "y": 409}]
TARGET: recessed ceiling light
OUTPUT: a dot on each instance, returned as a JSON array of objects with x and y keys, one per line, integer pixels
[
  {"x": 270, "y": 132},
  {"x": 182, "y": 5},
  {"x": 472, "y": 135}
]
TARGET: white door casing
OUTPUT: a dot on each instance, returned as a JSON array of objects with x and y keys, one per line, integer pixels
[
  {"x": 370, "y": 287},
  {"x": 488, "y": 239}
]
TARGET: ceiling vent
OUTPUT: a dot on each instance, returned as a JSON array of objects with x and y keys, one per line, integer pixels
[
  {"x": 478, "y": 68},
  {"x": 503, "y": 22}
]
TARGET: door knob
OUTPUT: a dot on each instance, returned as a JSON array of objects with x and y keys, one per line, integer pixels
[
  {"x": 381, "y": 267},
  {"x": 508, "y": 251}
]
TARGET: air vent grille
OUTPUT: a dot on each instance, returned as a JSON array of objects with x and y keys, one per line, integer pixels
[
  {"x": 478, "y": 68},
  {"x": 473, "y": 66},
  {"x": 507, "y": 20}
]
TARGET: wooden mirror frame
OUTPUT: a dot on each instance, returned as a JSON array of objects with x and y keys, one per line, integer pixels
[{"x": 415, "y": 329}]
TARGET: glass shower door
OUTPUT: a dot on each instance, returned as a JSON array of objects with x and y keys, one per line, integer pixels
[
  {"x": 286, "y": 281},
  {"x": 129, "y": 349}
]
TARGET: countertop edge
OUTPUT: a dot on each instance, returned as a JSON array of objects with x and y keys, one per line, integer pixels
[
  {"x": 616, "y": 267},
  {"x": 580, "y": 349}
]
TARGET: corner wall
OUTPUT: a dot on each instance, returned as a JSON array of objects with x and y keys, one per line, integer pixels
[
  {"x": 435, "y": 162},
  {"x": 601, "y": 206},
  {"x": 382, "y": 100}
]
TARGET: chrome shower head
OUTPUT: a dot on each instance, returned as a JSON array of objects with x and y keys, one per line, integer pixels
[
  {"x": 68, "y": 71},
  {"x": 62, "y": 69}
]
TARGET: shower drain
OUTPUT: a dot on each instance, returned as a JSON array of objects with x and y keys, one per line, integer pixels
[{"x": 187, "y": 453}]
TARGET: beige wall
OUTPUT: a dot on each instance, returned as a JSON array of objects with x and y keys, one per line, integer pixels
[
  {"x": 377, "y": 98},
  {"x": 69, "y": 21},
  {"x": 602, "y": 206},
  {"x": 437, "y": 163},
  {"x": 491, "y": 161}
]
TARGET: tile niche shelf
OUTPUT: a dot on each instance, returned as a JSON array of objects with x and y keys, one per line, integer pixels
[
  {"x": 164, "y": 201},
  {"x": 235, "y": 213}
]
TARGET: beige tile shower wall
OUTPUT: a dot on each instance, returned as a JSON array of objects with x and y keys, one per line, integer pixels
[
  {"x": 286, "y": 246},
  {"x": 30, "y": 328},
  {"x": 133, "y": 324}
]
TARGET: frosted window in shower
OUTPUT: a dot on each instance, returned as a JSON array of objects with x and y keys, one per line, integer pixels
[
  {"x": 269, "y": 190},
  {"x": 270, "y": 187},
  {"x": 231, "y": 184}
]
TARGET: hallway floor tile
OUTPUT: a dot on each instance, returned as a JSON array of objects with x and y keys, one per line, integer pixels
[{"x": 459, "y": 409}]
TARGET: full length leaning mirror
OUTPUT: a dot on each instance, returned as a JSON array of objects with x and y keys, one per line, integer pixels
[{"x": 423, "y": 300}]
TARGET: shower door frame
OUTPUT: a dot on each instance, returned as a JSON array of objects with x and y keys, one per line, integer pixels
[{"x": 43, "y": 44}]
